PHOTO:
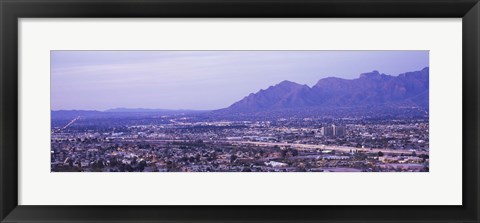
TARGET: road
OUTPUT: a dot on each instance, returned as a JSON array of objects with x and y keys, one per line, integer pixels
[
  {"x": 310, "y": 147},
  {"x": 299, "y": 146}
]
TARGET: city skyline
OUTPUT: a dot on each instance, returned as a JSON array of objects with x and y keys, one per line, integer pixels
[
  {"x": 202, "y": 80},
  {"x": 261, "y": 111}
]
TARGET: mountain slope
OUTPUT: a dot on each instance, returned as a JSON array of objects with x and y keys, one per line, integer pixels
[{"x": 284, "y": 94}]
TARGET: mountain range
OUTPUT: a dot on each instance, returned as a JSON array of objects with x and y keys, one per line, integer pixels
[
  {"x": 371, "y": 93},
  {"x": 369, "y": 89}
]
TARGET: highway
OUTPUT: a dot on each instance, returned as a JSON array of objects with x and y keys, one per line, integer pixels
[{"x": 310, "y": 147}]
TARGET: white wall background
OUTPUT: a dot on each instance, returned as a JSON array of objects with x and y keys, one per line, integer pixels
[{"x": 441, "y": 186}]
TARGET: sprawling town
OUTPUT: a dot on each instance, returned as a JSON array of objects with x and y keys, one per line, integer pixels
[{"x": 188, "y": 144}]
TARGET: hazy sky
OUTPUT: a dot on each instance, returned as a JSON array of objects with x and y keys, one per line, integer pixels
[{"x": 202, "y": 80}]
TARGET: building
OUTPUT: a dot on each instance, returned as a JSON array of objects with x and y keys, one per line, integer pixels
[
  {"x": 328, "y": 131},
  {"x": 333, "y": 130},
  {"x": 338, "y": 131}
]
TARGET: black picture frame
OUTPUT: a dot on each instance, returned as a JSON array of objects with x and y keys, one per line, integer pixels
[{"x": 12, "y": 10}]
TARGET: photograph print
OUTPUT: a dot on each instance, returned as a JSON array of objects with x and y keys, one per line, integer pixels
[{"x": 240, "y": 111}]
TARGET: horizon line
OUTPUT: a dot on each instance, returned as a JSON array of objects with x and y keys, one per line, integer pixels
[{"x": 186, "y": 109}]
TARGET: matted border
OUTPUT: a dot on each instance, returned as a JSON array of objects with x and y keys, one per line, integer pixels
[
  {"x": 210, "y": 188},
  {"x": 11, "y": 10}
]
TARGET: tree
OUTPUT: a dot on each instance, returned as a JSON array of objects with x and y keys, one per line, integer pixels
[
  {"x": 262, "y": 153},
  {"x": 284, "y": 153},
  {"x": 246, "y": 169},
  {"x": 380, "y": 153},
  {"x": 141, "y": 165},
  {"x": 113, "y": 162},
  {"x": 294, "y": 152},
  {"x": 233, "y": 158}
]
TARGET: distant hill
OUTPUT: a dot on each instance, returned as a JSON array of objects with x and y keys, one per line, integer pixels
[
  {"x": 117, "y": 113},
  {"x": 71, "y": 114},
  {"x": 369, "y": 89},
  {"x": 143, "y": 110}
]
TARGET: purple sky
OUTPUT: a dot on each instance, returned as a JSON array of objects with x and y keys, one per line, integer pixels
[{"x": 202, "y": 80}]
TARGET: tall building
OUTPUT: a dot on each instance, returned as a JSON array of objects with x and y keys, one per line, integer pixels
[
  {"x": 339, "y": 131},
  {"x": 333, "y": 130},
  {"x": 328, "y": 131}
]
